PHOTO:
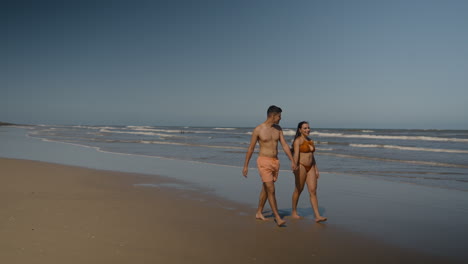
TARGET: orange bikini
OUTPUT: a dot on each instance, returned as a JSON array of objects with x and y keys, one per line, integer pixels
[{"x": 305, "y": 147}]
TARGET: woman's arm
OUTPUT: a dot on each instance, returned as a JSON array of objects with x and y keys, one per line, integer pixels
[
  {"x": 296, "y": 152},
  {"x": 315, "y": 167}
]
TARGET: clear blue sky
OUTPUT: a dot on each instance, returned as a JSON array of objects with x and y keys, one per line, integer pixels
[{"x": 343, "y": 64}]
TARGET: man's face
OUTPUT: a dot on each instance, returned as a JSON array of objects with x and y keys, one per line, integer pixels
[{"x": 277, "y": 118}]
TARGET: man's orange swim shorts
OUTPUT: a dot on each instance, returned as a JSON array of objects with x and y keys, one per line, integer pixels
[{"x": 268, "y": 168}]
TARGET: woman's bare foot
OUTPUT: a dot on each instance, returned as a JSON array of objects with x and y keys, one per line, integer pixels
[
  {"x": 260, "y": 216},
  {"x": 280, "y": 222},
  {"x": 296, "y": 216},
  {"x": 320, "y": 219}
]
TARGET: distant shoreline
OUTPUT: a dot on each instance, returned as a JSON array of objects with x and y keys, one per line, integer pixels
[
  {"x": 6, "y": 124},
  {"x": 12, "y": 124}
]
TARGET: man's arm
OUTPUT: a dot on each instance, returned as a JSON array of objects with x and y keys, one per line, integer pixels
[
  {"x": 250, "y": 150},
  {"x": 287, "y": 150}
]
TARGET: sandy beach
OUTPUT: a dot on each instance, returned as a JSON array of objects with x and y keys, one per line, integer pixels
[{"x": 64, "y": 214}]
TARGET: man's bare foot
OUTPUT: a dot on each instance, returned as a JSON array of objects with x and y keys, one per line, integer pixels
[
  {"x": 296, "y": 216},
  {"x": 280, "y": 222},
  {"x": 320, "y": 219},
  {"x": 260, "y": 216}
]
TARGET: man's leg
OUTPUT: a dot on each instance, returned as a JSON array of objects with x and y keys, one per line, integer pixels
[
  {"x": 261, "y": 204},
  {"x": 270, "y": 190}
]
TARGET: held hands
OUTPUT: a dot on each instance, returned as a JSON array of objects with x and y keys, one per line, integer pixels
[{"x": 294, "y": 166}]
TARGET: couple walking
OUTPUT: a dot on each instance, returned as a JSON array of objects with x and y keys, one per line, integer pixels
[{"x": 268, "y": 134}]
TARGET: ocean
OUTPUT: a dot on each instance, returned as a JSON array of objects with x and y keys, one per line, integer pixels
[{"x": 435, "y": 158}]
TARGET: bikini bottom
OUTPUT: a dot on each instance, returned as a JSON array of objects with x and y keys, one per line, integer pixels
[{"x": 307, "y": 167}]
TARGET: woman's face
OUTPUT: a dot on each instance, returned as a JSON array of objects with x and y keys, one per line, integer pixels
[{"x": 305, "y": 129}]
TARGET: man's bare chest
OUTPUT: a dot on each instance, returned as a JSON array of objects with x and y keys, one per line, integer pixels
[{"x": 269, "y": 136}]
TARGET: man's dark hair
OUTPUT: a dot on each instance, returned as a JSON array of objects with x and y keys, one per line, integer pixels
[{"x": 273, "y": 110}]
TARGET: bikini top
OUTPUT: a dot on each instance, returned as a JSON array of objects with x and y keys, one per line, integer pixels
[{"x": 304, "y": 147}]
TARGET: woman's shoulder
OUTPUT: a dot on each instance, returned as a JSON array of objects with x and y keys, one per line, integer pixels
[{"x": 298, "y": 140}]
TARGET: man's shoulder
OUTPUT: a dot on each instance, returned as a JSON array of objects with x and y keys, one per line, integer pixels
[
  {"x": 264, "y": 126},
  {"x": 258, "y": 129},
  {"x": 261, "y": 126},
  {"x": 277, "y": 127}
]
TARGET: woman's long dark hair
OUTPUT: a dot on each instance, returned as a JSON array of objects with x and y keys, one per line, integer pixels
[{"x": 298, "y": 133}]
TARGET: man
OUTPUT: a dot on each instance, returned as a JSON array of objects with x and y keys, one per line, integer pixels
[{"x": 267, "y": 135}]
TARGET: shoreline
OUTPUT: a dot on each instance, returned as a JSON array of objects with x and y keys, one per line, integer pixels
[{"x": 58, "y": 213}]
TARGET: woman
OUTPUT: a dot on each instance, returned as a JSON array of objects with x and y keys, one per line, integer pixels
[{"x": 307, "y": 171}]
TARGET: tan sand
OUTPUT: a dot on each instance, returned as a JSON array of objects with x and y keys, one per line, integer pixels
[{"x": 61, "y": 214}]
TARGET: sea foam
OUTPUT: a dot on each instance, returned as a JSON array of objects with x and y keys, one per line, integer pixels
[
  {"x": 426, "y": 138},
  {"x": 408, "y": 148}
]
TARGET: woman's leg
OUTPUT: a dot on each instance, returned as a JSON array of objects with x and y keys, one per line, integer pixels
[
  {"x": 312, "y": 187},
  {"x": 300, "y": 176}
]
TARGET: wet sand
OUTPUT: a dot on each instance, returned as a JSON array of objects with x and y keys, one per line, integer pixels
[{"x": 63, "y": 214}]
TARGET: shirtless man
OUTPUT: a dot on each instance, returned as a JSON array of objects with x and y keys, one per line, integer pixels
[{"x": 267, "y": 135}]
